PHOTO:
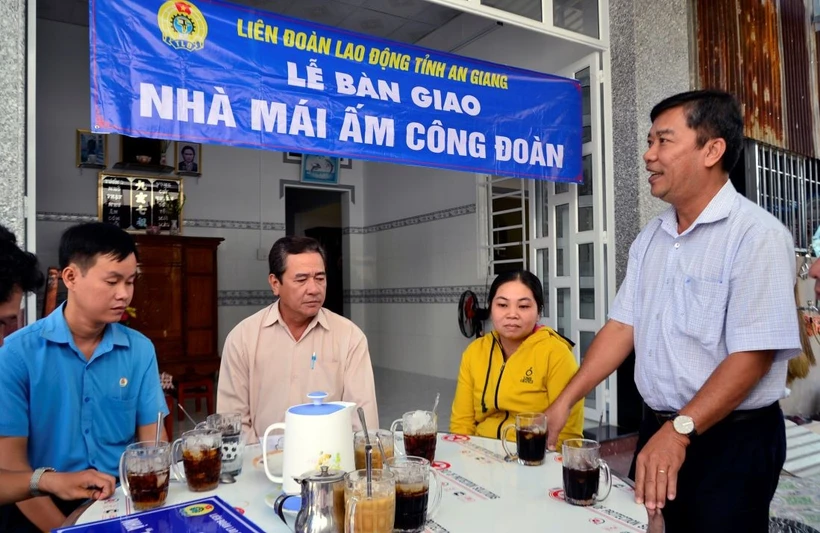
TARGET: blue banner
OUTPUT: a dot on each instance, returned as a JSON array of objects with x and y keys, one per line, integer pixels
[{"x": 218, "y": 73}]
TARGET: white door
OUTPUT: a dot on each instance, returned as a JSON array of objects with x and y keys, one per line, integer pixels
[{"x": 567, "y": 241}]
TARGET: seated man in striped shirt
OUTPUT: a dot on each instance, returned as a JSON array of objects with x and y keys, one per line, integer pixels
[{"x": 274, "y": 358}]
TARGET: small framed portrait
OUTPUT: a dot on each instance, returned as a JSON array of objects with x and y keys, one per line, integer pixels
[
  {"x": 92, "y": 149},
  {"x": 322, "y": 169},
  {"x": 189, "y": 158},
  {"x": 292, "y": 157}
]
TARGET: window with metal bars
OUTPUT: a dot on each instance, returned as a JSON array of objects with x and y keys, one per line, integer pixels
[
  {"x": 786, "y": 185},
  {"x": 506, "y": 217}
]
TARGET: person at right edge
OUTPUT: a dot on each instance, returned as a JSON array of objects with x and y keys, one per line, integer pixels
[{"x": 708, "y": 307}]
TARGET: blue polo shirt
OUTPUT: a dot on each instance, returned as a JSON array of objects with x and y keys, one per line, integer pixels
[{"x": 77, "y": 413}]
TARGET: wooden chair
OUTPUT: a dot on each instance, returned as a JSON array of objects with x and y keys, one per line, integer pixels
[
  {"x": 52, "y": 286},
  {"x": 169, "y": 420},
  {"x": 197, "y": 387}
]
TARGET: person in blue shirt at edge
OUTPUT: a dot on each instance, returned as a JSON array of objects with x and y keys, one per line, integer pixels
[
  {"x": 20, "y": 274},
  {"x": 77, "y": 387},
  {"x": 707, "y": 304}
]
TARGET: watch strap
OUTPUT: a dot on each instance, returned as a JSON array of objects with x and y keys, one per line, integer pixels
[
  {"x": 34, "y": 484},
  {"x": 691, "y": 435}
]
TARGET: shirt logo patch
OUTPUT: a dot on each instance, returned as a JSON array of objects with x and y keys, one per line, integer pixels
[
  {"x": 123, "y": 382},
  {"x": 527, "y": 376}
]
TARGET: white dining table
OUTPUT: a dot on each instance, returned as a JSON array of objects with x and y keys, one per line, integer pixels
[{"x": 481, "y": 492}]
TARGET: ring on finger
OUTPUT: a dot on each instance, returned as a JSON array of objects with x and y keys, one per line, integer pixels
[{"x": 661, "y": 471}]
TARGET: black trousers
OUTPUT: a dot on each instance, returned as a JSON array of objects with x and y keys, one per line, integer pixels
[
  {"x": 12, "y": 520},
  {"x": 729, "y": 476}
]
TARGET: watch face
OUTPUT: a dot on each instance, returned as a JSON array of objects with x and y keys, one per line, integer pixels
[{"x": 683, "y": 425}]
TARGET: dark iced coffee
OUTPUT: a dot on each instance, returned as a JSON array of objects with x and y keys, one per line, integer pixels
[{"x": 148, "y": 490}]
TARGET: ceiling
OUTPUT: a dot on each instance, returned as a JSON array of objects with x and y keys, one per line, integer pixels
[{"x": 399, "y": 20}]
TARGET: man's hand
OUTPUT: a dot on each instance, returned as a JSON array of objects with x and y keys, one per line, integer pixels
[
  {"x": 657, "y": 467},
  {"x": 78, "y": 485},
  {"x": 557, "y": 415}
]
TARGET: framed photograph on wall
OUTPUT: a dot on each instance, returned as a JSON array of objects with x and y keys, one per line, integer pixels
[
  {"x": 92, "y": 149},
  {"x": 188, "y": 159},
  {"x": 292, "y": 157},
  {"x": 322, "y": 169}
]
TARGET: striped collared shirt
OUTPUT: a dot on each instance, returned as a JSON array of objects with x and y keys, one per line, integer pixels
[{"x": 724, "y": 285}]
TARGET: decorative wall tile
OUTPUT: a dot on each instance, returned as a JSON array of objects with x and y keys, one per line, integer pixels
[
  {"x": 245, "y": 298},
  {"x": 232, "y": 224},
  {"x": 411, "y": 221},
  {"x": 280, "y": 226},
  {"x": 413, "y": 295},
  {"x": 403, "y": 295},
  {"x": 66, "y": 217}
]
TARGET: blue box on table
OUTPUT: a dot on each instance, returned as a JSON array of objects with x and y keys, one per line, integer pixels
[{"x": 208, "y": 515}]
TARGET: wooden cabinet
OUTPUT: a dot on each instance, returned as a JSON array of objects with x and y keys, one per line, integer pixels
[{"x": 176, "y": 303}]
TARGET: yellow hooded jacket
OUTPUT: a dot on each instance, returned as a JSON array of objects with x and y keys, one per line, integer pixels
[{"x": 530, "y": 380}]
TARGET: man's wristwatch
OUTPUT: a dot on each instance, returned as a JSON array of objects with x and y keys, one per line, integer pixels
[
  {"x": 684, "y": 425},
  {"x": 34, "y": 484}
]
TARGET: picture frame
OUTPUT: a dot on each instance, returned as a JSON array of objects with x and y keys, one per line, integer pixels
[
  {"x": 188, "y": 158},
  {"x": 320, "y": 169},
  {"x": 295, "y": 158},
  {"x": 140, "y": 203},
  {"x": 91, "y": 149}
]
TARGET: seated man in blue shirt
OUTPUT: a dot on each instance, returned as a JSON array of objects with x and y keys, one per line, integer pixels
[
  {"x": 20, "y": 274},
  {"x": 77, "y": 387}
]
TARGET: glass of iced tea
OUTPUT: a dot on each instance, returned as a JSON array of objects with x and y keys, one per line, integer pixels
[
  {"x": 233, "y": 442},
  {"x": 416, "y": 501},
  {"x": 144, "y": 473},
  {"x": 530, "y": 438},
  {"x": 201, "y": 451},
  {"x": 374, "y": 512},
  {"x": 379, "y": 436},
  {"x": 583, "y": 470},
  {"x": 420, "y": 433}
]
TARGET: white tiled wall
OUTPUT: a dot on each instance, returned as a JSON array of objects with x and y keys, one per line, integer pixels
[{"x": 418, "y": 337}]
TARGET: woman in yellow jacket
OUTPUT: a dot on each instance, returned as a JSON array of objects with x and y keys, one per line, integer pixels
[{"x": 519, "y": 367}]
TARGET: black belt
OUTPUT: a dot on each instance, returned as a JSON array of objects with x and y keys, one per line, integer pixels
[{"x": 734, "y": 416}]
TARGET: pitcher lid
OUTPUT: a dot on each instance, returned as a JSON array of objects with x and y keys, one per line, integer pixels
[
  {"x": 317, "y": 407},
  {"x": 324, "y": 474}
]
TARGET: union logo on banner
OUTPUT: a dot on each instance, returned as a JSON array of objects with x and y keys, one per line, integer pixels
[{"x": 182, "y": 25}]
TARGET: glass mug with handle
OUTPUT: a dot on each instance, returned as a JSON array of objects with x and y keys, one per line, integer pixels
[
  {"x": 145, "y": 469},
  {"x": 233, "y": 441},
  {"x": 414, "y": 504},
  {"x": 374, "y": 512},
  {"x": 380, "y": 440},
  {"x": 530, "y": 438},
  {"x": 201, "y": 458},
  {"x": 583, "y": 470},
  {"x": 419, "y": 433}
]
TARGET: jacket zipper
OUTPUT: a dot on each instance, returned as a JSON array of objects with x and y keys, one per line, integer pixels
[{"x": 497, "y": 386}]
